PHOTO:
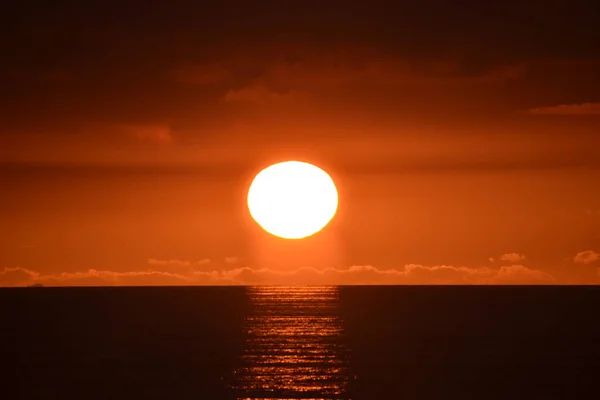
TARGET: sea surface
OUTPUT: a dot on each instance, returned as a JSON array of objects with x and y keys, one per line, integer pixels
[{"x": 302, "y": 342}]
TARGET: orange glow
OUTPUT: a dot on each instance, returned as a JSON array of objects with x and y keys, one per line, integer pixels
[{"x": 292, "y": 199}]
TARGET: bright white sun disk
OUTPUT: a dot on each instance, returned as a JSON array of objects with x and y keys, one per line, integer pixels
[{"x": 292, "y": 199}]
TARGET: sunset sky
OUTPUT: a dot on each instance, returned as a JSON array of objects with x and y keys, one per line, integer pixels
[{"x": 464, "y": 139}]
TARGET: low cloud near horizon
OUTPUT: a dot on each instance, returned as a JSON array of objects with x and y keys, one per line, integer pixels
[
  {"x": 411, "y": 274},
  {"x": 512, "y": 257},
  {"x": 587, "y": 257}
]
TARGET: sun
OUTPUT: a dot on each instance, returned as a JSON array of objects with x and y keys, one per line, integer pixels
[{"x": 292, "y": 199}]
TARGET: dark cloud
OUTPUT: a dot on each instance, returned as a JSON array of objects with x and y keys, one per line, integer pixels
[
  {"x": 125, "y": 45},
  {"x": 489, "y": 30},
  {"x": 189, "y": 73},
  {"x": 567, "y": 109},
  {"x": 200, "y": 74},
  {"x": 312, "y": 69},
  {"x": 257, "y": 94}
]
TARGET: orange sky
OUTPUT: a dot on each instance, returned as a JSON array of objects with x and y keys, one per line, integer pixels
[{"x": 464, "y": 141}]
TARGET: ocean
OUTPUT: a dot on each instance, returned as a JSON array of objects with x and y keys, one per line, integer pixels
[{"x": 301, "y": 342}]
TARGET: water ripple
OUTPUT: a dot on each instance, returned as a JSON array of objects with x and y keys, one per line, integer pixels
[{"x": 294, "y": 346}]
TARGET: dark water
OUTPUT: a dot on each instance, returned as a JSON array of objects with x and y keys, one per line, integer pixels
[{"x": 300, "y": 342}]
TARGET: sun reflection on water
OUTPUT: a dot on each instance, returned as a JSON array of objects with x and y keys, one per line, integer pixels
[{"x": 294, "y": 347}]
